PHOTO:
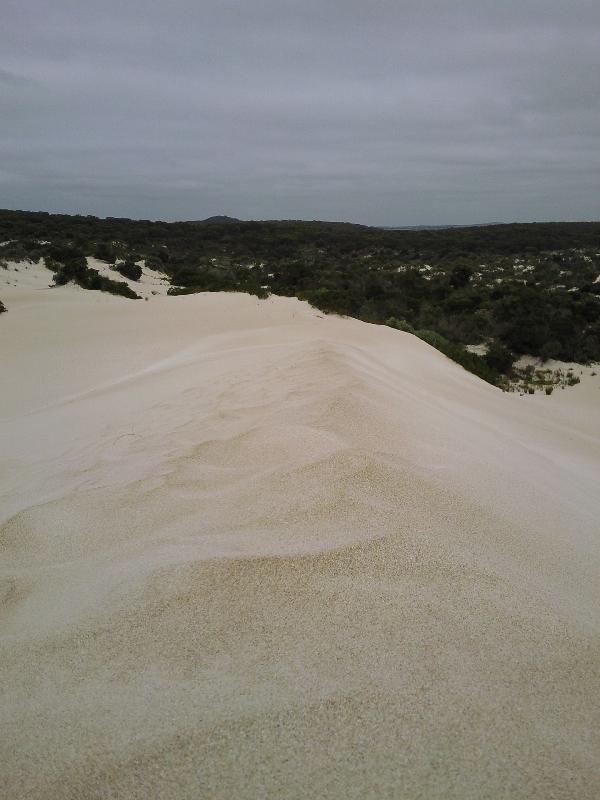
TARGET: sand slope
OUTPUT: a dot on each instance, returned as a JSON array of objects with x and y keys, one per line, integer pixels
[{"x": 248, "y": 551}]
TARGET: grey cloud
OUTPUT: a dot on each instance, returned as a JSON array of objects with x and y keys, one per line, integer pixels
[{"x": 384, "y": 113}]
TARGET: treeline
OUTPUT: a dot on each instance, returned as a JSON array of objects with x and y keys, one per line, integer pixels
[{"x": 281, "y": 239}]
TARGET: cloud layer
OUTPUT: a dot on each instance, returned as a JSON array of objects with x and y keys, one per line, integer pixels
[{"x": 383, "y": 112}]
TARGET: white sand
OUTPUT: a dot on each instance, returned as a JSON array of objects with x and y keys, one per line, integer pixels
[
  {"x": 251, "y": 552},
  {"x": 18, "y": 279}
]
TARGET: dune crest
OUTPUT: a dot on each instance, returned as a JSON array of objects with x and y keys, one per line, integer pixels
[{"x": 249, "y": 550}]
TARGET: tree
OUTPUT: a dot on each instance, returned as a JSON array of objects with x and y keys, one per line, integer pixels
[
  {"x": 105, "y": 252},
  {"x": 460, "y": 276},
  {"x": 500, "y": 358},
  {"x": 129, "y": 269}
]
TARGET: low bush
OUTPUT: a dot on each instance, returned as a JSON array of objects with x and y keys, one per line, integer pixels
[
  {"x": 499, "y": 358},
  {"x": 105, "y": 252},
  {"x": 260, "y": 292},
  {"x": 399, "y": 324},
  {"x": 176, "y": 290},
  {"x": 130, "y": 270},
  {"x": 469, "y": 361}
]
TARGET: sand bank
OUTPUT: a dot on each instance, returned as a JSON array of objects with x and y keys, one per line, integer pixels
[{"x": 251, "y": 551}]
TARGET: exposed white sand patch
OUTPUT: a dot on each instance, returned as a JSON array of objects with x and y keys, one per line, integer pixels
[
  {"x": 20, "y": 278},
  {"x": 579, "y": 403},
  {"x": 477, "y": 349},
  {"x": 251, "y": 551}
]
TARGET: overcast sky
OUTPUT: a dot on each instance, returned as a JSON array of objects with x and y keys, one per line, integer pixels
[{"x": 389, "y": 113}]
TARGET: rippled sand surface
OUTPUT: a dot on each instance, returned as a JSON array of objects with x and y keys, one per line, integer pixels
[{"x": 249, "y": 551}]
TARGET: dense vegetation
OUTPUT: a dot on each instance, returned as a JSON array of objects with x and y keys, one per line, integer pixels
[
  {"x": 128, "y": 269},
  {"x": 531, "y": 288}
]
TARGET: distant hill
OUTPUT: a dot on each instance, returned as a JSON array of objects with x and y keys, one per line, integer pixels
[
  {"x": 218, "y": 220},
  {"x": 224, "y": 220},
  {"x": 435, "y": 227}
]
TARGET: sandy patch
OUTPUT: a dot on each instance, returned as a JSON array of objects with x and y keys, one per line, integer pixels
[{"x": 20, "y": 278}]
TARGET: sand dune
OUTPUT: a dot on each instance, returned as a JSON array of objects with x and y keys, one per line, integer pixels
[{"x": 249, "y": 551}]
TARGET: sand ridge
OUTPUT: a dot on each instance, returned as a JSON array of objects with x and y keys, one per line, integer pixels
[{"x": 252, "y": 551}]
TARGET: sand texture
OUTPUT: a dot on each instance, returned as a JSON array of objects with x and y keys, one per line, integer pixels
[{"x": 251, "y": 552}]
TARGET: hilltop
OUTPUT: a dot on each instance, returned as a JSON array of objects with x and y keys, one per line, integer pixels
[{"x": 219, "y": 219}]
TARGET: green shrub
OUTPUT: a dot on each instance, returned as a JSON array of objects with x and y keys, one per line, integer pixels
[
  {"x": 105, "y": 252},
  {"x": 399, "y": 324},
  {"x": 500, "y": 358},
  {"x": 176, "y": 290},
  {"x": 129, "y": 269},
  {"x": 260, "y": 292},
  {"x": 469, "y": 361},
  {"x": 2, "y": 307}
]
